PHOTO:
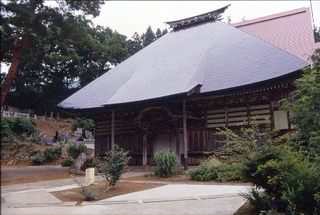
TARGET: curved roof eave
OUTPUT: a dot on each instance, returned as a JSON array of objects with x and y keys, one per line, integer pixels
[{"x": 214, "y": 55}]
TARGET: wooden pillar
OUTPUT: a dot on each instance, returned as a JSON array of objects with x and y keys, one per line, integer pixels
[
  {"x": 185, "y": 136},
  {"x": 248, "y": 113},
  {"x": 226, "y": 116},
  {"x": 112, "y": 130},
  {"x": 178, "y": 148},
  {"x": 144, "y": 150},
  {"x": 272, "y": 116}
]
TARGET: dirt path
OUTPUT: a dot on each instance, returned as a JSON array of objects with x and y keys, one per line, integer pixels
[{"x": 28, "y": 174}]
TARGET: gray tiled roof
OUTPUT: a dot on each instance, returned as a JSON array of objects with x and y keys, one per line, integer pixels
[{"x": 213, "y": 54}]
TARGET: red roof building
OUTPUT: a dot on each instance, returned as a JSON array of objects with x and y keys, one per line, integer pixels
[{"x": 291, "y": 31}]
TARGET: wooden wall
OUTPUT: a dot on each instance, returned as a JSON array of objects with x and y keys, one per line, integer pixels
[{"x": 200, "y": 138}]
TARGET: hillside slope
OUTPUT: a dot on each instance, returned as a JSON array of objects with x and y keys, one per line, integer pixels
[
  {"x": 49, "y": 126},
  {"x": 19, "y": 153}
]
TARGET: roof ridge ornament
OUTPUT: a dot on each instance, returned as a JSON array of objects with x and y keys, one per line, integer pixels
[{"x": 212, "y": 15}]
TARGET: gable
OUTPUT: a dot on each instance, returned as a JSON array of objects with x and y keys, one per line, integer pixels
[{"x": 291, "y": 31}]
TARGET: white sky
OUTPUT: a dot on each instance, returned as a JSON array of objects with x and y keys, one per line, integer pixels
[{"x": 128, "y": 17}]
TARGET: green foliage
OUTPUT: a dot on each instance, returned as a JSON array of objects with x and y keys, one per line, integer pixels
[
  {"x": 37, "y": 159},
  {"x": 89, "y": 194},
  {"x": 67, "y": 162},
  {"x": 87, "y": 124},
  {"x": 178, "y": 171},
  {"x": 113, "y": 164},
  {"x": 47, "y": 34},
  {"x": 285, "y": 176},
  {"x": 52, "y": 154},
  {"x": 317, "y": 198},
  {"x": 202, "y": 173},
  {"x": 23, "y": 126},
  {"x": 304, "y": 107},
  {"x": 290, "y": 173},
  {"x": 255, "y": 160},
  {"x": 206, "y": 170},
  {"x": 74, "y": 150},
  {"x": 212, "y": 169},
  {"x": 166, "y": 163},
  {"x": 301, "y": 182},
  {"x": 6, "y": 126},
  {"x": 137, "y": 42},
  {"x": 148, "y": 37},
  {"x": 237, "y": 148},
  {"x": 37, "y": 137},
  {"x": 249, "y": 140},
  {"x": 149, "y": 174},
  {"x": 317, "y": 34},
  {"x": 258, "y": 199}
]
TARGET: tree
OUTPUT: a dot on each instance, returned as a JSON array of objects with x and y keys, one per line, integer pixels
[
  {"x": 25, "y": 23},
  {"x": 113, "y": 164},
  {"x": 160, "y": 34},
  {"x": 316, "y": 32},
  {"x": 148, "y": 37},
  {"x": 304, "y": 106},
  {"x": 134, "y": 44},
  {"x": 137, "y": 42},
  {"x": 84, "y": 124}
]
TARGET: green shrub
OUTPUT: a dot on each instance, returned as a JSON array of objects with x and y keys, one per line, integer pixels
[
  {"x": 74, "y": 150},
  {"x": 6, "y": 126},
  {"x": 37, "y": 137},
  {"x": 202, "y": 173},
  {"x": 253, "y": 161},
  {"x": 20, "y": 126},
  {"x": 258, "y": 199},
  {"x": 89, "y": 195},
  {"x": 37, "y": 159},
  {"x": 288, "y": 177},
  {"x": 67, "y": 162},
  {"x": 228, "y": 172},
  {"x": 317, "y": 198},
  {"x": 149, "y": 174},
  {"x": 246, "y": 141},
  {"x": 23, "y": 126},
  {"x": 222, "y": 172},
  {"x": 87, "y": 124},
  {"x": 301, "y": 183},
  {"x": 212, "y": 169},
  {"x": 52, "y": 154},
  {"x": 113, "y": 165},
  {"x": 166, "y": 163},
  {"x": 178, "y": 171}
]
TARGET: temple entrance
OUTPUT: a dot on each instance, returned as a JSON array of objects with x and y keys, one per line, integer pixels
[
  {"x": 160, "y": 129},
  {"x": 164, "y": 141}
]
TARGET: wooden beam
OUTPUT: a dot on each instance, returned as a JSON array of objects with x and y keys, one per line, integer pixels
[{"x": 185, "y": 135}]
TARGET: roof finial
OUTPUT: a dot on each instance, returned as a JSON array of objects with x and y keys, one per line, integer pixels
[{"x": 212, "y": 15}]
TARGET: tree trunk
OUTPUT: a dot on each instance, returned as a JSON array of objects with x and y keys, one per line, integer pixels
[{"x": 12, "y": 70}]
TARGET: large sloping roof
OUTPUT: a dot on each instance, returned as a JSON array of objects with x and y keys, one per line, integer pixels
[
  {"x": 213, "y": 55},
  {"x": 291, "y": 31}
]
